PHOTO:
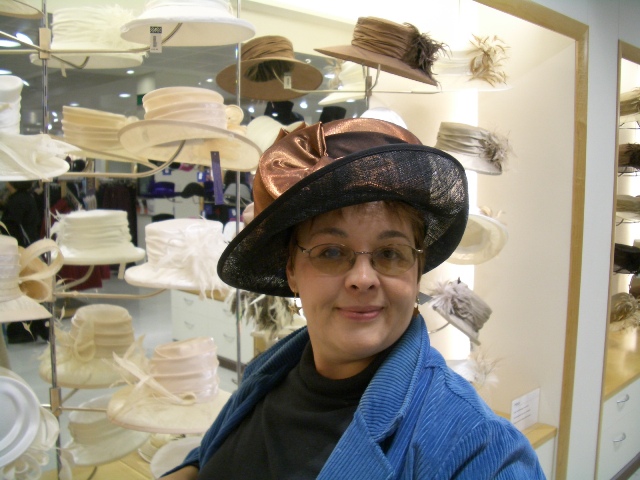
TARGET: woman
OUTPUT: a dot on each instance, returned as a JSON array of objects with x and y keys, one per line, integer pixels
[{"x": 349, "y": 215}]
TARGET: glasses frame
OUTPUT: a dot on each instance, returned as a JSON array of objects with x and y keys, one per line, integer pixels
[{"x": 416, "y": 252}]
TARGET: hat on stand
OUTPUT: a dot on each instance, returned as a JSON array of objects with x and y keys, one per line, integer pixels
[
  {"x": 477, "y": 149},
  {"x": 181, "y": 254},
  {"x": 177, "y": 392},
  {"x": 198, "y": 23},
  {"x": 19, "y": 9},
  {"x": 264, "y": 130},
  {"x": 282, "y": 111},
  {"x": 28, "y": 431},
  {"x": 461, "y": 307},
  {"x": 172, "y": 454},
  {"x": 628, "y": 208},
  {"x": 95, "y": 440},
  {"x": 95, "y": 237},
  {"x": 480, "y": 66},
  {"x": 630, "y": 105},
  {"x": 350, "y": 78},
  {"x": 196, "y": 117},
  {"x": 25, "y": 157},
  {"x": 25, "y": 280},
  {"x": 264, "y": 62},
  {"x": 91, "y": 28},
  {"x": 331, "y": 113},
  {"x": 95, "y": 134},
  {"x": 484, "y": 237},
  {"x": 84, "y": 353},
  {"x": 397, "y": 49},
  {"x": 386, "y": 114},
  {"x": 626, "y": 258},
  {"x": 628, "y": 158},
  {"x": 161, "y": 190},
  {"x": 624, "y": 312}
]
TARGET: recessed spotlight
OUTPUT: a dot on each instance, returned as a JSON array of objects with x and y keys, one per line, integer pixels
[
  {"x": 329, "y": 75},
  {"x": 304, "y": 104},
  {"x": 5, "y": 72},
  {"x": 74, "y": 104},
  {"x": 54, "y": 114},
  {"x": 209, "y": 80},
  {"x": 25, "y": 83},
  {"x": 130, "y": 72},
  {"x": 351, "y": 100},
  {"x": 251, "y": 109},
  {"x": 319, "y": 111},
  {"x": 124, "y": 95},
  {"x": 9, "y": 44},
  {"x": 24, "y": 38}
]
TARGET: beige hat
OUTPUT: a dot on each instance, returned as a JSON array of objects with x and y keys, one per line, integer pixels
[
  {"x": 20, "y": 8},
  {"x": 484, "y": 237},
  {"x": 350, "y": 79},
  {"x": 264, "y": 61},
  {"x": 264, "y": 130}
]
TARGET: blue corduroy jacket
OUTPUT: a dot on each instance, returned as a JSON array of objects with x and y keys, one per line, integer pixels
[{"x": 416, "y": 420}]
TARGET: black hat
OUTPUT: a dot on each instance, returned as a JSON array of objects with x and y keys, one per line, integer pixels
[{"x": 325, "y": 167}]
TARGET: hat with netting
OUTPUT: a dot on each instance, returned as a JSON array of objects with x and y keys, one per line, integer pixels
[{"x": 324, "y": 167}]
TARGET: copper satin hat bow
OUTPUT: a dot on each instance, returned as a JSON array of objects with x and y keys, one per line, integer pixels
[{"x": 294, "y": 157}]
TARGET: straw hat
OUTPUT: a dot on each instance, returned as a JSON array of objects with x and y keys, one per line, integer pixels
[
  {"x": 475, "y": 148},
  {"x": 461, "y": 307},
  {"x": 84, "y": 353},
  {"x": 22, "y": 269},
  {"x": 177, "y": 392},
  {"x": 95, "y": 237},
  {"x": 484, "y": 237},
  {"x": 23, "y": 453},
  {"x": 264, "y": 61},
  {"x": 323, "y": 167},
  {"x": 95, "y": 440},
  {"x": 200, "y": 23},
  {"x": 89, "y": 28},
  {"x": 197, "y": 117},
  {"x": 19, "y": 9},
  {"x": 398, "y": 49},
  {"x": 181, "y": 254}
]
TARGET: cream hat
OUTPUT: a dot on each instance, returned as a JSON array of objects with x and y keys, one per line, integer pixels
[
  {"x": 484, "y": 237},
  {"x": 177, "y": 391},
  {"x": 20, "y": 418},
  {"x": 84, "y": 353},
  {"x": 95, "y": 440},
  {"x": 181, "y": 254},
  {"x": 19, "y": 9},
  {"x": 350, "y": 78},
  {"x": 475, "y": 148},
  {"x": 386, "y": 114},
  {"x": 264, "y": 130},
  {"x": 199, "y": 23},
  {"x": 197, "y": 117},
  {"x": 24, "y": 279},
  {"x": 628, "y": 208},
  {"x": 89, "y": 28},
  {"x": 172, "y": 454}
]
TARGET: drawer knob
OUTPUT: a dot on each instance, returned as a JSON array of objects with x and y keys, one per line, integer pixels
[
  {"x": 623, "y": 399},
  {"x": 620, "y": 438}
]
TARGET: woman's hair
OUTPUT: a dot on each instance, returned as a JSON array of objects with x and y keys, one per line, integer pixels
[
  {"x": 403, "y": 211},
  {"x": 23, "y": 186}
]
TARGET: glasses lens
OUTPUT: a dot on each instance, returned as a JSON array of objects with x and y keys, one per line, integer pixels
[
  {"x": 393, "y": 259},
  {"x": 331, "y": 258}
]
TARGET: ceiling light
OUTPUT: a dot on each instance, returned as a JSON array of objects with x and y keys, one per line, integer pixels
[
  {"x": 251, "y": 109},
  {"x": 304, "y": 104},
  {"x": 24, "y": 38},
  {"x": 25, "y": 83},
  {"x": 124, "y": 95},
  {"x": 9, "y": 44},
  {"x": 74, "y": 104},
  {"x": 329, "y": 75},
  {"x": 5, "y": 72},
  {"x": 209, "y": 80},
  {"x": 55, "y": 114},
  {"x": 130, "y": 72}
]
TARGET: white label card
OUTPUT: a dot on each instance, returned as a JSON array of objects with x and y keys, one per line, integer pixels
[
  {"x": 524, "y": 410},
  {"x": 155, "y": 42}
]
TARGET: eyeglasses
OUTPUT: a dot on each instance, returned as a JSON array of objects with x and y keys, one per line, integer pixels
[{"x": 335, "y": 259}]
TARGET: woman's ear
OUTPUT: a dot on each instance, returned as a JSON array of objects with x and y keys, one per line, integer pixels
[{"x": 293, "y": 285}]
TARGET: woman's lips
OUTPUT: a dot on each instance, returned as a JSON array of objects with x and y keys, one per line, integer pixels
[{"x": 361, "y": 313}]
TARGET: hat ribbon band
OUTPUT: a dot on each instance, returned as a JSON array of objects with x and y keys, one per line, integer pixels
[
  {"x": 270, "y": 46},
  {"x": 36, "y": 277}
]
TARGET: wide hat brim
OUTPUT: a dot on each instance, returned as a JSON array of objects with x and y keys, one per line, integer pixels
[
  {"x": 421, "y": 176},
  {"x": 22, "y": 309},
  {"x": 102, "y": 256},
  {"x": 155, "y": 415},
  {"x": 94, "y": 61},
  {"x": 19, "y": 10},
  {"x": 372, "y": 59},
  {"x": 201, "y": 26},
  {"x": 74, "y": 373},
  {"x": 483, "y": 239},
  {"x": 161, "y": 139},
  {"x": 303, "y": 77}
]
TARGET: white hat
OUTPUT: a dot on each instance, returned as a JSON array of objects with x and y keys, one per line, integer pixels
[
  {"x": 10, "y": 97},
  {"x": 176, "y": 393},
  {"x": 479, "y": 66},
  {"x": 85, "y": 29},
  {"x": 182, "y": 253},
  {"x": 21, "y": 269},
  {"x": 193, "y": 116},
  {"x": 264, "y": 130},
  {"x": 19, "y": 9},
  {"x": 386, "y": 114},
  {"x": 475, "y": 148},
  {"x": 201, "y": 23},
  {"x": 95, "y": 440},
  {"x": 172, "y": 454},
  {"x": 483, "y": 238},
  {"x": 350, "y": 78},
  {"x": 628, "y": 208},
  {"x": 461, "y": 307},
  {"x": 28, "y": 431},
  {"x": 84, "y": 354},
  {"x": 95, "y": 237}
]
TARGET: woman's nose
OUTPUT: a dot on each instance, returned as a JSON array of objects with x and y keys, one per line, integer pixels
[{"x": 362, "y": 275}]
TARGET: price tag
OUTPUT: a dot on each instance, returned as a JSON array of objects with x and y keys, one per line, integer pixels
[
  {"x": 287, "y": 81},
  {"x": 156, "y": 39}
]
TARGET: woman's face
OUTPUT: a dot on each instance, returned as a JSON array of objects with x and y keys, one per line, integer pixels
[{"x": 353, "y": 316}]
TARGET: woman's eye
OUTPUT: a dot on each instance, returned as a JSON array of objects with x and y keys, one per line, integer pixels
[{"x": 331, "y": 253}]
